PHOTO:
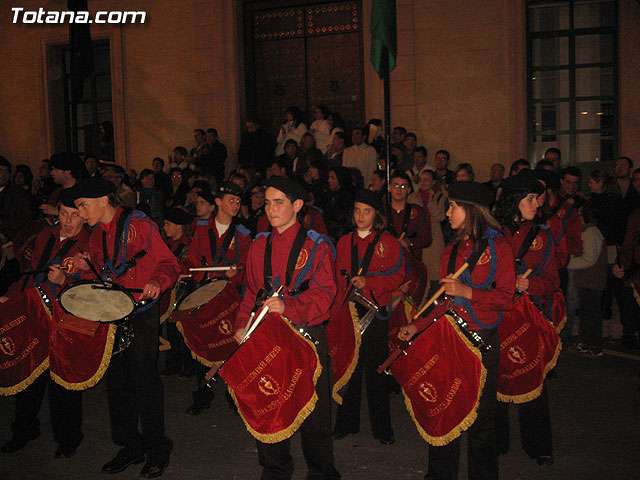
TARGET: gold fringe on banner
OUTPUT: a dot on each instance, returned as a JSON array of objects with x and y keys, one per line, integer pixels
[
  {"x": 194, "y": 355},
  {"x": 342, "y": 381},
  {"x": 305, "y": 411},
  {"x": 473, "y": 414},
  {"x": 40, "y": 369},
  {"x": 104, "y": 364}
]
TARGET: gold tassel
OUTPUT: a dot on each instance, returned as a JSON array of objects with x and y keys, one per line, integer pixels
[
  {"x": 39, "y": 370},
  {"x": 342, "y": 381}
]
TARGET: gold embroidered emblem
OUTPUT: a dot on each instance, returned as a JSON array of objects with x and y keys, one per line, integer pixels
[
  {"x": 428, "y": 392},
  {"x": 268, "y": 385},
  {"x": 67, "y": 264},
  {"x": 302, "y": 259},
  {"x": 233, "y": 241},
  {"x": 131, "y": 236},
  {"x": 537, "y": 243},
  {"x": 380, "y": 250},
  {"x": 516, "y": 354},
  {"x": 225, "y": 327},
  {"x": 7, "y": 346},
  {"x": 485, "y": 257}
]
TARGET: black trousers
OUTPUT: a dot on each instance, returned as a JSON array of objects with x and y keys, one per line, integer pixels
[
  {"x": 135, "y": 392},
  {"x": 315, "y": 432},
  {"x": 535, "y": 426},
  {"x": 374, "y": 350},
  {"x": 65, "y": 408},
  {"x": 482, "y": 454}
]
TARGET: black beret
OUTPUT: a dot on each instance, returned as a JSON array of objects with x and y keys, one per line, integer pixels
[
  {"x": 65, "y": 161},
  {"x": 371, "y": 198},
  {"x": 525, "y": 182},
  {"x": 66, "y": 197},
  {"x": 549, "y": 177},
  {"x": 92, "y": 188},
  {"x": 471, "y": 192},
  {"x": 208, "y": 197},
  {"x": 178, "y": 216},
  {"x": 229, "y": 188},
  {"x": 289, "y": 187}
]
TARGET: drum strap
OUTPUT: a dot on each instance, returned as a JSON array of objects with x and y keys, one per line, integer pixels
[
  {"x": 44, "y": 258},
  {"x": 368, "y": 255},
  {"x": 405, "y": 221},
  {"x": 118, "y": 241},
  {"x": 473, "y": 258},
  {"x": 231, "y": 232},
  {"x": 526, "y": 244},
  {"x": 179, "y": 249},
  {"x": 291, "y": 262}
]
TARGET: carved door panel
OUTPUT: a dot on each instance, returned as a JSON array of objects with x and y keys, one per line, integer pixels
[{"x": 304, "y": 56}]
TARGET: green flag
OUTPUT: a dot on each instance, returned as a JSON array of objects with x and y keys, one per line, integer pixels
[{"x": 383, "y": 35}]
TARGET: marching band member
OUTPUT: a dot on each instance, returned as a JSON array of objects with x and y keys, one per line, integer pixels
[
  {"x": 533, "y": 246},
  {"x": 375, "y": 262},
  {"x": 127, "y": 248},
  {"x": 218, "y": 241},
  {"x": 480, "y": 298},
  {"x": 275, "y": 260},
  {"x": 176, "y": 228},
  {"x": 53, "y": 250}
]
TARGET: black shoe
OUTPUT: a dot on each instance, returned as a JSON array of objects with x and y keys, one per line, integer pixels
[
  {"x": 154, "y": 469},
  {"x": 230, "y": 402},
  {"x": 387, "y": 439},
  {"x": 194, "y": 409},
  {"x": 545, "y": 460},
  {"x": 340, "y": 434},
  {"x": 65, "y": 451},
  {"x": 16, "y": 444},
  {"x": 121, "y": 461}
]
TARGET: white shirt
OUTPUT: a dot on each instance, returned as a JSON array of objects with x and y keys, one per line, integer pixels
[
  {"x": 362, "y": 157},
  {"x": 221, "y": 227}
]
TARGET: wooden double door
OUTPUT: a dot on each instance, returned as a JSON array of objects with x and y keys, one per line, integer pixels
[{"x": 303, "y": 55}]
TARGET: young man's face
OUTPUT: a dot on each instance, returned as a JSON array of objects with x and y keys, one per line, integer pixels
[
  {"x": 441, "y": 161},
  {"x": 92, "y": 209},
  {"x": 569, "y": 185},
  {"x": 71, "y": 221},
  {"x": 148, "y": 181},
  {"x": 203, "y": 208},
  {"x": 622, "y": 168},
  {"x": 497, "y": 173},
  {"x": 280, "y": 211},
  {"x": 5, "y": 175},
  {"x": 229, "y": 205},
  {"x": 357, "y": 137},
  {"x": 426, "y": 182},
  {"x": 60, "y": 176},
  {"x": 419, "y": 160},
  {"x": 410, "y": 143},
  {"x": 399, "y": 189},
  {"x": 171, "y": 229}
]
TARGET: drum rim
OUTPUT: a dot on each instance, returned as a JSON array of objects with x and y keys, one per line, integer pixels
[
  {"x": 96, "y": 282},
  {"x": 196, "y": 287}
]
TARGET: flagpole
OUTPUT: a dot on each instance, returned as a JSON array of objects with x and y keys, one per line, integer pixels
[{"x": 387, "y": 123}]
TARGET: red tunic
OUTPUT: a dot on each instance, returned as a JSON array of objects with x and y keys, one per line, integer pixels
[
  {"x": 555, "y": 225},
  {"x": 312, "y": 306},
  {"x": 158, "y": 264},
  {"x": 386, "y": 270},
  {"x": 200, "y": 249},
  {"x": 82, "y": 241},
  {"x": 418, "y": 230},
  {"x": 486, "y": 304},
  {"x": 544, "y": 279},
  {"x": 571, "y": 227}
]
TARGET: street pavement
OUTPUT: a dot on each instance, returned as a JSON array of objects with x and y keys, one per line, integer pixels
[{"x": 594, "y": 407}]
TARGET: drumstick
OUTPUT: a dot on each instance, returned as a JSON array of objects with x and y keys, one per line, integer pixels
[
  {"x": 93, "y": 269},
  {"x": 401, "y": 236},
  {"x": 251, "y": 326},
  {"x": 64, "y": 268},
  {"x": 440, "y": 291},
  {"x": 216, "y": 269},
  {"x": 527, "y": 273}
]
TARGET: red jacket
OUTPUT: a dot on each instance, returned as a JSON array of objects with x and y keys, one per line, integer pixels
[
  {"x": 540, "y": 257},
  {"x": 81, "y": 240},
  {"x": 419, "y": 228},
  {"x": 571, "y": 227},
  {"x": 315, "y": 262},
  {"x": 386, "y": 271},
  {"x": 200, "y": 249},
  {"x": 486, "y": 304},
  {"x": 157, "y": 264}
]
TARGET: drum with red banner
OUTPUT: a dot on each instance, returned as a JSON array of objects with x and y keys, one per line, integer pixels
[
  {"x": 558, "y": 310},
  {"x": 400, "y": 316},
  {"x": 206, "y": 318},
  {"x": 272, "y": 379},
  {"x": 80, "y": 350},
  {"x": 529, "y": 349},
  {"x": 343, "y": 343},
  {"x": 25, "y": 322},
  {"x": 442, "y": 378}
]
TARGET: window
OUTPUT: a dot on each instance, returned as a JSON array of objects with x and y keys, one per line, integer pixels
[
  {"x": 94, "y": 106},
  {"x": 572, "y": 79}
]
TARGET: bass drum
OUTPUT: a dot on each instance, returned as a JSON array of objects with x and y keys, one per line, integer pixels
[{"x": 91, "y": 300}]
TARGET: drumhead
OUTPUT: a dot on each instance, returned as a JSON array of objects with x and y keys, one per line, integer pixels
[
  {"x": 203, "y": 294},
  {"x": 96, "y": 304}
]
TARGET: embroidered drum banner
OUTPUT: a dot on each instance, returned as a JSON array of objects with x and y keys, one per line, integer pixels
[
  {"x": 272, "y": 379},
  {"x": 24, "y": 341},
  {"x": 442, "y": 377},
  {"x": 529, "y": 349},
  {"x": 419, "y": 277},
  {"x": 343, "y": 343},
  {"x": 79, "y": 350},
  {"x": 208, "y": 329}
]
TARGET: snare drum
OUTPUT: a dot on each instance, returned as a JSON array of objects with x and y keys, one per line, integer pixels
[
  {"x": 91, "y": 300},
  {"x": 196, "y": 298}
]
